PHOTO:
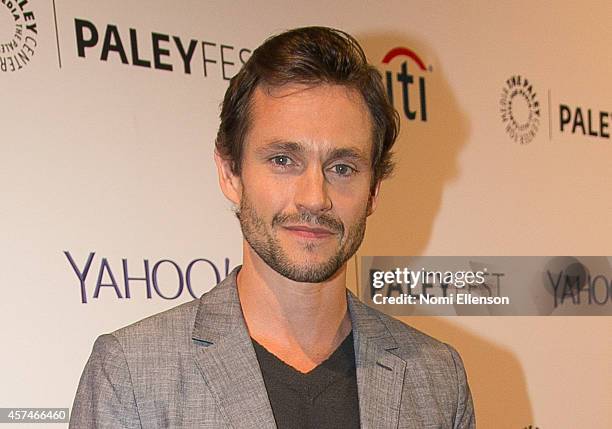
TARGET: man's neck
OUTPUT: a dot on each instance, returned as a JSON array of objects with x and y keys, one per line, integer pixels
[{"x": 301, "y": 323}]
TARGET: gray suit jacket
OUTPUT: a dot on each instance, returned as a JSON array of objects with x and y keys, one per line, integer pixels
[{"x": 194, "y": 366}]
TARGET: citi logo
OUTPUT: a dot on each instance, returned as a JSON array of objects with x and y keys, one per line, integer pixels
[{"x": 404, "y": 75}]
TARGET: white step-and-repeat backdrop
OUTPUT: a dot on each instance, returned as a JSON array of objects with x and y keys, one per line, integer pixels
[{"x": 110, "y": 209}]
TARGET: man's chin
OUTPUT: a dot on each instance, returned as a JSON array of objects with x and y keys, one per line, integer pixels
[
  {"x": 308, "y": 271},
  {"x": 308, "y": 276},
  {"x": 310, "y": 261}
]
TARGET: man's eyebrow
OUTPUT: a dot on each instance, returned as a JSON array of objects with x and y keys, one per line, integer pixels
[
  {"x": 352, "y": 153},
  {"x": 280, "y": 146}
]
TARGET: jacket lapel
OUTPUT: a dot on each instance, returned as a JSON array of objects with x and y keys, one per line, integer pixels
[
  {"x": 380, "y": 373},
  {"x": 225, "y": 356}
]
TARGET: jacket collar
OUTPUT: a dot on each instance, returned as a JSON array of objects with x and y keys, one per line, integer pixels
[
  {"x": 225, "y": 356},
  {"x": 219, "y": 313}
]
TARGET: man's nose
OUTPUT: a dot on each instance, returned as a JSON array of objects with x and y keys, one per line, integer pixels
[{"x": 312, "y": 192}]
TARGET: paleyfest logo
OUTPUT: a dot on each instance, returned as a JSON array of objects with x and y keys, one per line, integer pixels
[
  {"x": 520, "y": 109},
  {"x": 18, "y": 32},
  {"x": 404, "y": 76},
  {"x": 158, "y": 51}
]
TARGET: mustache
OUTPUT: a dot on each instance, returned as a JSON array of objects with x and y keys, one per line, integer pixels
[{"x": 330, "y": 222}]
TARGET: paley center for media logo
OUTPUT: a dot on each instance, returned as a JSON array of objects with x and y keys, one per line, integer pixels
[
  {"x": 404, "y": 74},
  {"x": 18, "y": 33},
  {"x": 522, "y": 114},
  {"x": 520, "y": 109}
]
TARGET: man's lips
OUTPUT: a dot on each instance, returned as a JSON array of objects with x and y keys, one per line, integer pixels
[{"x": 309, "y": 232}]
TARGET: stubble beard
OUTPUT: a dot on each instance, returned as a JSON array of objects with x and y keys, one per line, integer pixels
[{"x": 263, "y": 241}]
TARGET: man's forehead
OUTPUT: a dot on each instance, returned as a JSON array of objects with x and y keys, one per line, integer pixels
[
  {"x": 293, "y": 91},
  {"x": 327, "y": 119}
]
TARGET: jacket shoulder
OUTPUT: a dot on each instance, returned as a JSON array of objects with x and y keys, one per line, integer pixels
[{"x": 163, "y": 331}]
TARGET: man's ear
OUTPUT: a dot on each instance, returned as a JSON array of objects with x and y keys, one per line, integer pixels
[
  {"x": 374, "y": 198},
  {"x": 231, "y": 185}
]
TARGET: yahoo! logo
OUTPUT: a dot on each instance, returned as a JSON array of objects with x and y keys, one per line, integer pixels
[
  {"x": 405, "y": 79},
  {"x": 165, "y": 277}
]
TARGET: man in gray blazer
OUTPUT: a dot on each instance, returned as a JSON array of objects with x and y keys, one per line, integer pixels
[{"x": 304, "y": 142}]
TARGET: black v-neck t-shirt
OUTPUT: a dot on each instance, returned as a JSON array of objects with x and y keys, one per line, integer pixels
[{"x": 325, "y": 397}]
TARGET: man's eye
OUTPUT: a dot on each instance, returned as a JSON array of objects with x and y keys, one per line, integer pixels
[
  {"x": 343, "y": 170},
  {"x": 281, "y": 160}
]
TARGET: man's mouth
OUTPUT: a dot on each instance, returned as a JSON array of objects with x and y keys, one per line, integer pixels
[{"x": 309, "y": 232}]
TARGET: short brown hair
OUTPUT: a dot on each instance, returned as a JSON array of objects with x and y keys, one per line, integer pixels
[{"x": 311, "y": 56}]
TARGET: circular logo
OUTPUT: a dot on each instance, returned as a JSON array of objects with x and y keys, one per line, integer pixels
[
  {"x": 520, "y": 109},
  {"x": 18, "y": 32}
]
